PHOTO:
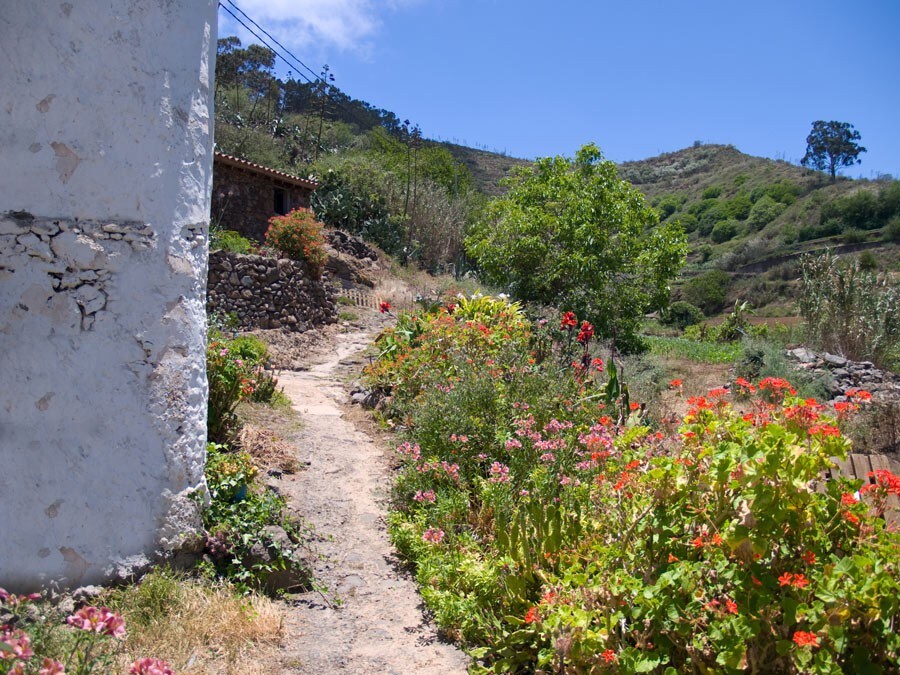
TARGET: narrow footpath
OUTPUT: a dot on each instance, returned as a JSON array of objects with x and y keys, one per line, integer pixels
[{"x": 368, "y": 617}]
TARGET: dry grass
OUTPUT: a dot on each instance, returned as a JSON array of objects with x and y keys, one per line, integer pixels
[
  {"x": 198, "y": 627},
  {"x": 269, "y": 451}
]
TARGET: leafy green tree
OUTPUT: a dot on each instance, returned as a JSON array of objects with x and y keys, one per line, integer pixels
[
  {"x": 572, "y": 233},
  {"x": 764, "y": 211},
  {"x": 831, "y": 145},
  {"x": 707, "y": 291}
]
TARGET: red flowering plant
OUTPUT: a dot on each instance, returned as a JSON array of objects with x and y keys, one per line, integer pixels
[
  {"x": 298, "y": 235},
  {"x": 572, "y": 538}
]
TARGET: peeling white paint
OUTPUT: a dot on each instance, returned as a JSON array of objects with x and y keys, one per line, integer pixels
[{"x": 106, "y": 153}]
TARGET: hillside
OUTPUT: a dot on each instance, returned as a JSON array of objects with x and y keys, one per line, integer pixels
[{"x": 752, "y": 218}]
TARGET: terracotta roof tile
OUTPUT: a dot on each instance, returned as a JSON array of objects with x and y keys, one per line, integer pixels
[{"x": 229, "y": 160}]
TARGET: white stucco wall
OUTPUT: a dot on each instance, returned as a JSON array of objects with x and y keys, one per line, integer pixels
[{"x": 106, "y": 159}]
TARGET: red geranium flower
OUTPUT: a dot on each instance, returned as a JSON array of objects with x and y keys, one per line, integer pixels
[{"x": 569, "y": 321}]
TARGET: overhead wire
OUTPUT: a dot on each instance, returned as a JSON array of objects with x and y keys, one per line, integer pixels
[{"x": 271, "y": 37}]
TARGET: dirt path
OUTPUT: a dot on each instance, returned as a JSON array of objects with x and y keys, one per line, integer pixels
[{"x": 378, "y": 627}]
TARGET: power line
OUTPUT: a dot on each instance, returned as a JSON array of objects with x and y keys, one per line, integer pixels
[
  {"x": 270, "y": 47},
  {"x": 271, "y": 37}
]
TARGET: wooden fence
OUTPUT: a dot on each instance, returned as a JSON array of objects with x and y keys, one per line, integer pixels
[
  {"x": 370, "y": 300},
  {"x": 860, "y": 466}
]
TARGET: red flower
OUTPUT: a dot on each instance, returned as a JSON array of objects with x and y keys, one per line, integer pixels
[
  {"x": 384, "y": 307},
  {"x": 609, "y": 656},
  {"x": 586, "y": 333},
  {"x": 848, "y": 499},
  {"x": 731, "y": 606},
  {"x": 803, "y": 639},
  {"x": 809, "y": 558},
  {"x": 569, "y": 321},
  {"x": 859, "y": 394},
  {"x": 532, "y": 615},
  {"x": 795, "y": 580},
  {"x": 675, "y": 384}
]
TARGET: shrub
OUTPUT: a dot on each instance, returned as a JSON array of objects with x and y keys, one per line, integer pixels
[
  {"x": 707, "y": 291},
  {"x": 738, "y": 207},
  {"x": 712, "y": 192},
  {"x": 848, "y": 310},
  {"x": 892, "y": 230},
  {"x": 764, "y": 211},
  {"x": 688, "y": 222},
  {"x": 298, "y": 235},
  {"x": 724, "y": 230},
  {"x": 231, "y": 241},
  {"x": 681, "y": 314}
]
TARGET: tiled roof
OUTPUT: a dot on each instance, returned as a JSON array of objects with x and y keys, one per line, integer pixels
[{"x": 259, "y": 168}]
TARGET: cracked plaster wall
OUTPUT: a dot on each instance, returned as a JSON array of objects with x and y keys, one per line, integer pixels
[{"x": 106, "y": 154}]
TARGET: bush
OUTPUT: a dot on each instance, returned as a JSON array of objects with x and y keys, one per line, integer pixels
[
  {"x": 707, "y": 291},
  {"x": 712, "y": 192},
  {"x": 892, "y": 230},
  {"x": 688, "y": 222},
  {"x": 848, "y": 310},
  {"x": 681, "y": 314},
  {"x": 738, "y": 207},
  {"x": 764, "y": 211},
  {"x": 724, "y": 230},
  {"x": 231, "y": 241},
  {"x": 298, "y": 235}
]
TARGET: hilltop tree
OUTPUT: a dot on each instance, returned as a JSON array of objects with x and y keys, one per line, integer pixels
[
  {"x": 572, "y": 233},
  {"x": 831, "y": 145}
]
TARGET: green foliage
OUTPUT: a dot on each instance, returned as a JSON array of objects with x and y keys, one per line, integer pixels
[
  {"x": 739, "y": 206},
  {"x": 669, "y": 205},
  {"x": 892, "y": 230},
  {"x": 298, "y": 235},
  {"x": 707, "y": 291},
  {"x": 231, "y": 241},
  {"x": 551, "y": 537},
  {"x": 848, "y": 310},
  {"x": 724, "y": 230},
  {"x": 681, "y": 314},
  {"x": 832, "y": 145},
  {"x": 574, "y": 234},
  {"x": 341, "y": 203},
  {"x": 764, "y": 211},
  {"x": 240, "y": 545},
  {"x": 236, "y": 370},
  {"x": 762, "y": 358},
  {"x": 694, "y": 349},
  {"x": 712, "y": 192}
]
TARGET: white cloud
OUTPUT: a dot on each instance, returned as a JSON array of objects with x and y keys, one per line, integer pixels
[{"x": 345, "y": 25}]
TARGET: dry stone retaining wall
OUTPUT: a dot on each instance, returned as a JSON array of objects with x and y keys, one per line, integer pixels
[{"x": 262, "y": 292}]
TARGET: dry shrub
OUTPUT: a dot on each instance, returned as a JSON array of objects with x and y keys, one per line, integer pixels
[
  {"x": 269, "y": 451},
  {"x": 198, "y": 627}
]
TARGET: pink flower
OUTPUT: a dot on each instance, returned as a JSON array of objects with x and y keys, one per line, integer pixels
[
  {"x": 98, "y": 620},
  {"x": 499, "y": 473},
  {"x": 427, "y": 496},
  {"x": 19, "y": 644},
  {"x": 52, "y": 667},
  {"x": 513, "y": 444},
  {"x": 148, "y": 666},
  {"x": 433, "y": 535}
]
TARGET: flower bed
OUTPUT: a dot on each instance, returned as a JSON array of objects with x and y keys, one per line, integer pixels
[{"x": 552, "y": 528}]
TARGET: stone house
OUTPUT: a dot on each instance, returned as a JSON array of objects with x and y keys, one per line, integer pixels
[{"x": 245, "y": 195}]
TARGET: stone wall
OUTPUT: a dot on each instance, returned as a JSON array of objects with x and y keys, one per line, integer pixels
[
  {"x": 106, "y": 158},
  {"x": 267, "y": 293},
  {"x": 243, "y": 200}
]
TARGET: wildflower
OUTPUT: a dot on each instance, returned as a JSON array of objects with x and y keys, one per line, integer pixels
[
  {"x": 634, "y": 406},
  {"x": 673, "y": 558},
  {"x": 433, "y": 535},
  {"x": 148, "y": 666},
  {"x": 549, "y": 597},
  {"x": 426, "y": 496},
  {"x": 744, "y": 384},
  {"x": 597, "y": 365},
  {"x": 731, "y": 606},
  {"x": 803, "y": 639},
  {"x": 858, "y": 394},
  {"x": 569, "y": 321},
  {"x": 499, "y": 473},
  {"x": 718, "y": 392},
  {"x": 98, "y": 620},
  {"x": 809, "y": 557},
  {"x": 884, "y": 480},
  {"x": 848, "y": 499},
  {"x": 52, "y": 667},
  {"x": 548, "y": 457},
  {"x": 795, "y": 580},
  {"x": 675, "y": 384},
  {"x": 18, "y": 643},
  {"x": 513, "y": 444},
  {"x": 384, "y": 307},
  {"x": 532, "y": 615},
  {"x": 824, "y": 430},
  {"x": 609, "y": 656},
  {"x": 586, "y": 333}
]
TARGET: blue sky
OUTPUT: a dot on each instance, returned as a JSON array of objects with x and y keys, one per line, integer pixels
[{"x": 636, "y": 77}]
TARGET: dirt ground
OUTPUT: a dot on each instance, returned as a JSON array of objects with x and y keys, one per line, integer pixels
[{"x": 365, "y": 615}]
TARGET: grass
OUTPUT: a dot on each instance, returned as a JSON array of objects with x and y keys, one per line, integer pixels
[
  {"x": 196, "y": 626},
  {"x": 348, "y": 316},
  {"x": 691, "y": 350}
]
